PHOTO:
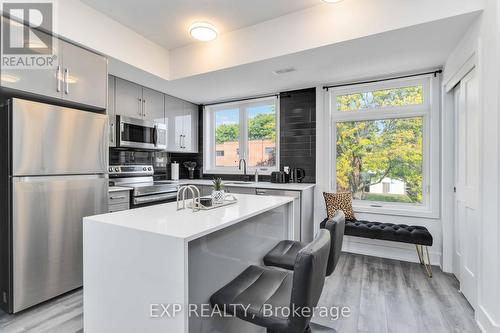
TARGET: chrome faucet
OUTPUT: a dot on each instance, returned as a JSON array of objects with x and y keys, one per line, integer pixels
[
  {"x": 244, "y": 166},
  {"x": 195, "y": 195}
]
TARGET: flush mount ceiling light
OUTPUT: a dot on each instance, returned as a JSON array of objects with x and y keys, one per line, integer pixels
[
  {"x": 203, "y": 31},
  {"x": 332, "y": 1}
]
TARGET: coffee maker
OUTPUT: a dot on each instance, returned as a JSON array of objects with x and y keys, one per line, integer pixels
[{"x": 297, "y": 175}]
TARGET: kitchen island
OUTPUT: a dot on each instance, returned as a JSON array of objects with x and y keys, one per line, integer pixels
[{"x": 140, "y": 262}]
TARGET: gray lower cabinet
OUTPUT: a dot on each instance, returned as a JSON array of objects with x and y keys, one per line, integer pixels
[
  {"x": 303, "y": 210},
  {"x": 77, "y": 75},
  {"x": 240, "y": 190},
  {"x": 118, "y": 201}
]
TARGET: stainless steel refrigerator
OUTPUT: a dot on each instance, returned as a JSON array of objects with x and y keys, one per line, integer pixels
[{"x": 53, "y": 173}]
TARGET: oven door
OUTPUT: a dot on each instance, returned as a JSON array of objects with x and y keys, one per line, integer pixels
[
  {"x": 137, "y": 133},
  {"x": 153, "y": 199}
]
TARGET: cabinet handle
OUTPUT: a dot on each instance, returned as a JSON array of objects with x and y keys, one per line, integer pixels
[
  {"x": 112, "y": 133},
  {"x": 118, "y": 197},
  {"x": 58, "y": 75},
  {"x": 140, "y": 106},
  {"x": 144, "y": 107},
  {"x": 66, "y": 81}
]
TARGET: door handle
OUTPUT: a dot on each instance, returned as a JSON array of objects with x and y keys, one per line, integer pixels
[
  {"x": 118, "y": 197},
  {"x": 155, "y": 136},
  {"x": 66, "y": 81},
  {"x": 58, "y": 75}
]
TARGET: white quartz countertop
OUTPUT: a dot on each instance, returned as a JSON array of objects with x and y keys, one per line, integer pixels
[
  {"x": 185, "y": 224},
  {"x": 118, "y": 189},
  {"x": 263, "y": 185}
]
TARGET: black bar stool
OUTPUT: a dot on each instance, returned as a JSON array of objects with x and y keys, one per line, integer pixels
[
  {"x": 259, "y": 288},
  {"x": 284, "y": 253}
]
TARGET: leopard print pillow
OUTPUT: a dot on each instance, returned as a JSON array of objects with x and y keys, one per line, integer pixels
[{"x": 339, "y": 201}]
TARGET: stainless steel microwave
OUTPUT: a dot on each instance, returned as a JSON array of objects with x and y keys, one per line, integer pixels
[{"x": 141, "y": 134}]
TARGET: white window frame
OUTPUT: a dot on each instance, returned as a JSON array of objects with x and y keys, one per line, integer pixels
[
  {"x": 209, "y": 145},
  {"x": 429, "y": 110}
]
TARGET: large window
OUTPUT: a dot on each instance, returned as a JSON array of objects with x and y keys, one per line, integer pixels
[
  {"x": 382, "y": 144},
  {"x": 243, "y": 130}
]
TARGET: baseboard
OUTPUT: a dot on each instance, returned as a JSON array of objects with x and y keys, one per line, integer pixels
[
  {"x": 485, "y": 322},
  {"x": 386, "y": 249}
]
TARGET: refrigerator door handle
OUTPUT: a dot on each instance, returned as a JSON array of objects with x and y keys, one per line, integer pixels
[{"x": 42, "y": 179}]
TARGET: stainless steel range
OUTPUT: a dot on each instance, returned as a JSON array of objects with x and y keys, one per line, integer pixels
[{"x": 146, "y": 191}]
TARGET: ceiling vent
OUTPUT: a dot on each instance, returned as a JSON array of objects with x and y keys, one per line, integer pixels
[{"x": 284, "y": 71}]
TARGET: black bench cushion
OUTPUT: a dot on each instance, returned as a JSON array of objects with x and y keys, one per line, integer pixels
[{"x": 402, "y": 233}]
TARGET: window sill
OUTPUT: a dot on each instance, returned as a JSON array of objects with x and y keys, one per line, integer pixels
[{"x": 397, "y": 211}]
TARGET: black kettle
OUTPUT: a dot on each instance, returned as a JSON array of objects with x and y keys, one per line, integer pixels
[{"x": 297, "y": 175}]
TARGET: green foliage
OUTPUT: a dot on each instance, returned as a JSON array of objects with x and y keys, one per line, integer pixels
[
  {"x": 227, "y": 133},
  {"x": 260, "y": 127},
  {"x": 369, "y": 151},
  {"x": 217, "y": 184},
  {"x": 381, "y": 98}
]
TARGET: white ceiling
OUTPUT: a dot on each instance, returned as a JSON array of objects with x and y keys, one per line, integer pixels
[
  {"x": 425, "y": 46},
  {"x": 166, "y": 22}
]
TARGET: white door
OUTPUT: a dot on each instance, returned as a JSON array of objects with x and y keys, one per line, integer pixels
[{"x": 467, "y": 184}]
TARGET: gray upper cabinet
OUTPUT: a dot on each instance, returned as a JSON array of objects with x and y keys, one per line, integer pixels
[
  {"x": 174, "y": 113},
  {"x": 182, "y": 119},
  {"x": 153, "y": 105},
  {"x": 85, "y": 75},
  {"x": 40, "y": 81},
  {"x": 110, "y": 111},
  {"x": 190, "y": 127},
  {"x": 128, "y": 99},
  {"x": 136, "y": 101},
  {"x": 78, "y": 75}
]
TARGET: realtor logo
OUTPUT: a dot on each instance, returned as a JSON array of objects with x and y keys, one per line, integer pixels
[{"x": 27, "y": 41}]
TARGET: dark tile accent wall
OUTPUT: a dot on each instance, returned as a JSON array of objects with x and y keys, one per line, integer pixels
[{"x": 298, "y": 131}]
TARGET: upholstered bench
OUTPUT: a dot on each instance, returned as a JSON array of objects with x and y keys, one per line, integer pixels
[{"x": 402, "y": 233}]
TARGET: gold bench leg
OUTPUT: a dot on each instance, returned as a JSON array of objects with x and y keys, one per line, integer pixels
[{"x": 422, "y": 256}]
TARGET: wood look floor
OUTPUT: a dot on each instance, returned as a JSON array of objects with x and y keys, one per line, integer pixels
[{"x": 383, "y": 295}]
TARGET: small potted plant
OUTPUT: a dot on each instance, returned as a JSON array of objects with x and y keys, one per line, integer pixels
[
  {"x": 218, "y": 194},
  {"x": 190, "y": 166}
]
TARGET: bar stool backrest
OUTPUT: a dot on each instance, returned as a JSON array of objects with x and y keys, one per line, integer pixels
[
  {"x": 309, "y": 278},
  {"x": 336, "y": 227}
]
